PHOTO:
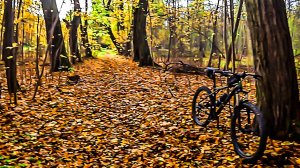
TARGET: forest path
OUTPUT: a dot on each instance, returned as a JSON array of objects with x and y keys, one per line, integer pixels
[{"x": 118, "y": 114}]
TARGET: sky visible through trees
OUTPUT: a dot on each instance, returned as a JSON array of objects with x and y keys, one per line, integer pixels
[{"x": 67, "y": 6}]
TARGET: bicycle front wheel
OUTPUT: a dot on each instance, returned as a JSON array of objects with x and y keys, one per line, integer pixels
[
  {"x": 248, "y": 132},
  {"x": 202, "y": 106}
]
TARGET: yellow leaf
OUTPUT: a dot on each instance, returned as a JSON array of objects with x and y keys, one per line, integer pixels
[
  {"x": 298, "y": 161},
  {"x": 199, "y": 157},
  {"x": 286, "y": 143},
  {"x": 230, "y": 159},
  {"x": 203, "y": 137},
  {"x": 277, "y": 149},
  {"x": 115, "y": 140}
]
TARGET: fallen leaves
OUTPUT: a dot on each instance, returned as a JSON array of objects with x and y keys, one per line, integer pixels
[{"x": 118, "y": 115}]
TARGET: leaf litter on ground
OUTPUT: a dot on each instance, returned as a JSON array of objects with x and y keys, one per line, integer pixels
[{"x": 120, "y": 115}]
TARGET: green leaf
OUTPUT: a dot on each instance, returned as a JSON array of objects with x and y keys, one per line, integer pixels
[
  {"x": 5, "y": 166},
  {"x": 71, "y": 69},
  {"x": 63, "y": 56},
  {"x": 10, "y": 57},
  {"x": 22, "y": 165},
  {"x": 7, "y": 160}
]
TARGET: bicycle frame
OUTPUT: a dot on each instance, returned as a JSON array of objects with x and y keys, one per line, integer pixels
[
  {"x": 241, "y": 123},
  {"x": 231, "y": 94},
  {"x": 236, "y": 89}
]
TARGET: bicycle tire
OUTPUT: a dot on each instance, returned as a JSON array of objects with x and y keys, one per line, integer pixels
[
  {"x": 261, "y": 128},
  {"x": 195, "y": 107}
]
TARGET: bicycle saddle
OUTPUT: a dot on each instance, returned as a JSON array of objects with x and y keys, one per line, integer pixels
[{"x": 210, "y": 72}]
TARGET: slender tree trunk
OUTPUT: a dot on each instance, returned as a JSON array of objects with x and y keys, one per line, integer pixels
[
  {"x": 173, "y": 28},
  {"x": 127, "y": 45},
  {"x": 201, "y": 48},
  {"x": 136, "y": 55},
  {"x": 234, "y": 34},
  {"x": 277, "y": 91},
  {"x": 75, "y": 54},
  {"x": 8, "y": 49},
  {"x": 1, "y": 35},
  {"x": 85, "y": 36},
  {"x": 37, "y": 70},
  {"x": 140, "y": 44},
  {"x": 214, "y": 37},
  {"x": 170, "y": 23},
  {"x": 120, "y": 24},
  {"x": 59, "y": 58},
  {"x": 225, "y": 36},
  {"x": 113, "y": 38},
  {"x": 119, "y": 46},
  {"x": 22, "y": 50},
  {"x": 170, "y": 44}
]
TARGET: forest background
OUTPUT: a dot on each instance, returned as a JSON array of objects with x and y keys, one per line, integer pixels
[
  {"x": 46, "y": 41},
  {"x": 196, "y": 32}
]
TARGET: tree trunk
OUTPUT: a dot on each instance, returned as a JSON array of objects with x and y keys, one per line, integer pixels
[
  {"x": 114, "y": 39},
  {"x": 201, "y": 48},
  {"x": 75, "y": 54},
  {"x": 8, "y": 49},
  {"x": 58, "y": 57},
  {"x": 225, "y": 36},
  {"x": 170, "y": 23},
  {"x": 214, "y": 37},
  {"x": 140, "y": 44},
  {"x": 122, "y": 48},
  {"x": 230, "y": 52},
  {"x": 84, "y": 34},
  {"x": 85, "y": 40},
  {"x": 277, "y": 91}
]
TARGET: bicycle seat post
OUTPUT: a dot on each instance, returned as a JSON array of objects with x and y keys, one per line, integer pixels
[{"x": 214, "y": 80}]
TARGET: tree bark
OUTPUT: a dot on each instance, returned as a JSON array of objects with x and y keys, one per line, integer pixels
[
  {"x": 140, "y": 44},
  {"x": 201, "y": 48},
  {"x": 225, "y": 36},
  {"x": 8, "y": 49},
  {"x": 59, "y": 58},
  {"x": 230, "y": 52},
  {"x": 85, "y": 40},
  {"x": 277, "y": 91},
  {"x": 75, "y": 54},
  {"x": 84, "y": 34},
  {"x": 214, "y": 37},
  {"x": 122, "y": 48}
]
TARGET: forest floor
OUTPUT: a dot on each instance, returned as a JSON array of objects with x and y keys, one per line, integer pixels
[{"x": 120, "y": 115}]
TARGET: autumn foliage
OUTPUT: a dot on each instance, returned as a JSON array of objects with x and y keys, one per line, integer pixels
[{"x": 119, "y": 115}]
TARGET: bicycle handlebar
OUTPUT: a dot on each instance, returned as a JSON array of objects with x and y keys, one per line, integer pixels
[
  {"x": 244, "y": 75},
  {"x": 229, "y": 73}
]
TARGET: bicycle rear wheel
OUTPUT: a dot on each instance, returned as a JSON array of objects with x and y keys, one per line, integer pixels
[
  {"x": 248, "y": 132},
  {"x": 203, "y": 102}
]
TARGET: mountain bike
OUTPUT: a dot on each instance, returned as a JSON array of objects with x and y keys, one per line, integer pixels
[{"x": 248, "y": 126}]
